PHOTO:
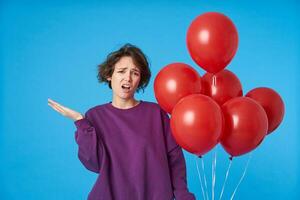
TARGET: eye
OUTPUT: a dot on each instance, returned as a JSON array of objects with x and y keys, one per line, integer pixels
[{"x": 121, "y": 71}]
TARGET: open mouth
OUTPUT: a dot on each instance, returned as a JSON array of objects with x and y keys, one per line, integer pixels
[{"x": 126, "y": 87}]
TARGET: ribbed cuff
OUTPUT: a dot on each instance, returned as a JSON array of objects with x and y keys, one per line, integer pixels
[{"x": 82, "y": 123}]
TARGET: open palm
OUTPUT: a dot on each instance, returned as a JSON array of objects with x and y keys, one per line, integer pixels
[{"x": 67, "y": 112}]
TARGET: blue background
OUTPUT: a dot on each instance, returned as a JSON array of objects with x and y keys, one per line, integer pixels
[{"x": 51, "y": 50}]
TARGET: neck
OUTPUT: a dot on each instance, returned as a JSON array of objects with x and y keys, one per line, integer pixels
[{"x": 124, "y": 103}]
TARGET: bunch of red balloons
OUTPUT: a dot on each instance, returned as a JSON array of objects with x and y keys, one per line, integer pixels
[{"x": 211, "y": 109}]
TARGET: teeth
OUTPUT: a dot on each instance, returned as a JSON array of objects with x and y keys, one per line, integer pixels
[{"x": 125, "y": 86}]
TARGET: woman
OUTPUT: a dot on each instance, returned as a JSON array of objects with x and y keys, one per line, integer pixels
[{"x": 126, "y": 141}]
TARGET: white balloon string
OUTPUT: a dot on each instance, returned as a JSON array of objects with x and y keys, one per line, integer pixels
[
  {"x": 214, "y": 166},
  {"x": 205, "y": 184},
  {"x": 226, "y": 176},
  {"x": 200, "y": 179},
  {"x": 244, "y": 173}
]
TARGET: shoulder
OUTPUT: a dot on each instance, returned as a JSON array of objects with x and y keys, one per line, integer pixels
[
  {"x": 154, "y": 107},
  {"x": 151, "y": 105},
  {"x": 95, "y": 109}
]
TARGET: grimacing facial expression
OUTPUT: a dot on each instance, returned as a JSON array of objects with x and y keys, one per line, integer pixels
[{"x": 125, "y": 78}]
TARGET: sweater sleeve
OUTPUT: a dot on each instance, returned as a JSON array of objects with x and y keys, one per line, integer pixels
[
  {"x": 88, "y": 152},
  {"x": 176, "y": 164}
]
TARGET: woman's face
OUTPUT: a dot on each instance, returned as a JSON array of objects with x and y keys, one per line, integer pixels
[{"x": 125, "y": 78}]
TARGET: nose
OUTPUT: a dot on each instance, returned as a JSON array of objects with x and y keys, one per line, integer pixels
[{"x": 128, "y": 76}]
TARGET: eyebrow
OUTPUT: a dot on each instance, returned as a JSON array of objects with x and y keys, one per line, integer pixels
[{"x": 134, "y": 69}]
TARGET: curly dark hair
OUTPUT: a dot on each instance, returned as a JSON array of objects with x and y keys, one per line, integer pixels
[{"x": 106, "y": 69}]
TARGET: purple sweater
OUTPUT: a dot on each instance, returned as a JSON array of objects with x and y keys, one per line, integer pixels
[{"x": 134, "y": 153}]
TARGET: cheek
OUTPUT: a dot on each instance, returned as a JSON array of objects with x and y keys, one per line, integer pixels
[
  {"x": 137, "y": 81},
  {"x": 116, "y": 78},
  {"x": 114, "y": 82}
]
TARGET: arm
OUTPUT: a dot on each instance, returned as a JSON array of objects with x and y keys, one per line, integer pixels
[
  {"x": 88, "y": 151},
  {"x": 178, "y": 175},
  {"x": 85, "y": 136},
  {"x": 176, "y": 164}
]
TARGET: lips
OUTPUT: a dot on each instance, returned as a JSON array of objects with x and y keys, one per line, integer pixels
[{"x": 126, "y": 88}]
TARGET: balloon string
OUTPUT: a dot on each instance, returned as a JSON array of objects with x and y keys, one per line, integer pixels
[
  {"x": 214, "y": 166},
  {"x": 229, "y": 166},
  {"x": 244, "y": 173},
  {"x": 199, "y": 175},
  {"x": 203, "y": 168}
]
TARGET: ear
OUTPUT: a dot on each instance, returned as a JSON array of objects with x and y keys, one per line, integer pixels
[{"x": 109, "y": 78}]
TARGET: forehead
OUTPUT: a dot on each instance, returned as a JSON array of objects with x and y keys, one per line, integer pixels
[{"x": 126, "y": 62}]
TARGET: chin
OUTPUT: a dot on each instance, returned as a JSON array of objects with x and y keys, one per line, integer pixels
[{"x": 126, "y": 96}]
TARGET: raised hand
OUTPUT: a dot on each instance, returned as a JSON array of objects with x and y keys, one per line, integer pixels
[{"x": 67, "y": 112}]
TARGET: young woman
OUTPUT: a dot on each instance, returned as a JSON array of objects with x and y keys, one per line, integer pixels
[{"x": 128, "y": 142}]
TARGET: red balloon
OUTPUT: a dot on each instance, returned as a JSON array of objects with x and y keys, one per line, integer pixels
[
  {"x": 222, "y": 86},
  {"x": 212, "y": 41},
  {"x": 196, "y": 123},
  {"x": 271, "y": 102},
  {"x": 245, "y": 125},
  {"x": 174, "y": 82}
]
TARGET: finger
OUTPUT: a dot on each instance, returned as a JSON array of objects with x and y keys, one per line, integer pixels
[
  {"x": 59, "y": 105},
  {"x": 53, "y": 102},
  {"x": 54, "y": 107},
  {"x": 66, "y": 109},
  {"x": 63, "y": 107},
  {"x": 57, "y": 109}
]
